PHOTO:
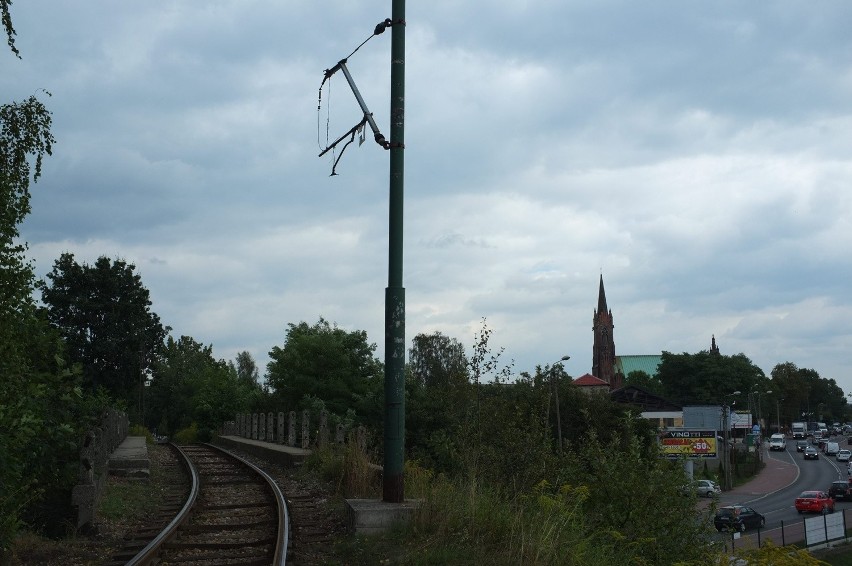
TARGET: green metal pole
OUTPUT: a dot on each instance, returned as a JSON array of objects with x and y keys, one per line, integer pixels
[{"x": 393, "y": 487}]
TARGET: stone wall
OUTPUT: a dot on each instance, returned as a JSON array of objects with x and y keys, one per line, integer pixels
[
  {"x": 281, "y": 428},
  {"x": 97, "y": 445}
]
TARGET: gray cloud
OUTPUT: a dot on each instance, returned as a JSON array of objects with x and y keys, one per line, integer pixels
[{"x": 696, "y": 155}]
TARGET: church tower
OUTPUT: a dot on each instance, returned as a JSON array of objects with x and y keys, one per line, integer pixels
[{"x": 603, "y": 351}]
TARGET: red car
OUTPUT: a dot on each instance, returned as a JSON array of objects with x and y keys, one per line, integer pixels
[{"x": 814, "y": 502}]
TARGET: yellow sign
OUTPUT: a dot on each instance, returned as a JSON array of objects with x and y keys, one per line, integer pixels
[{"x": 689, "y": 443}]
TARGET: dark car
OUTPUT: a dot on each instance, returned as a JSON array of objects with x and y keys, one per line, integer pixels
[
  {"x": 737, "y": 518},
  {"x": 811, "y": 453},
  {"x": 801, "y": 445},
  {"x": 840, "y": 490}
]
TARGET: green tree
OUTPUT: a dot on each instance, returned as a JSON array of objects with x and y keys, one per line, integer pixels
[
  {"x": 331, "y": 364},
  {"x": 437, "y": 392},
  {"x": 32, "y": 389},
  {"x": 641, "y": 379},
  {"x": 189, "y": 386},
  {"x": 804, "y": 392},
  {"x": 622, "y": 475},
  {"x": 246, "y": 368},
  {"x": 704, "y": 378},
  {"x": 103, "y": 312},
  {"x": 7, "y": 25}
]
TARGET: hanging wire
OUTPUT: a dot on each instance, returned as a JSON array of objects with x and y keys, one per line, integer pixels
[{"x": 319, "y": 113}]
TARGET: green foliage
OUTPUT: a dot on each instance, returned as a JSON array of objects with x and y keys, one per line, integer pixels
[
  {"x": 139, "y": 430},
  {"x": 38, "y": 394},
  {"x": 189, "y": 385},
  {"x": 462, "y": 523},
  {"x": 704, "y": 378},
  {"x": 7, "y": 25},
  {"x": 641, "y": 379},
  {"x": 327, "y": 462},
  {"x": 622, "y": 476},
  {"x": 769, "y": 554},
  {"x": 438, "y": 393},
  {"x": 103, "y": 312},
  {"x": 331, "y": 364},
  {"x": 188, "y": 435},
  {"x": 802, "y": 391}
]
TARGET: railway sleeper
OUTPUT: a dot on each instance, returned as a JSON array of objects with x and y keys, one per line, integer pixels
[
  {"x": 232, "y": 527},
  {"x": 202, "y": 546}
]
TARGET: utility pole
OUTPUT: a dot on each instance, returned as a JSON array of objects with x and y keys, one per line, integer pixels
[
  {"x": 394, "y": 414},
  {"x": 393, "y": 487}
]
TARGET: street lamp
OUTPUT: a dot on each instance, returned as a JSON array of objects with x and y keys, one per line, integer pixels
[
  {"x": 555, "y": 388},
  {"x": 778, "y": 412},
  {"x": 759, "y": 408}
]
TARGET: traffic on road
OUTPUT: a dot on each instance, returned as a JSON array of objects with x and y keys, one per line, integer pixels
[{"x": 822, "y": 483}]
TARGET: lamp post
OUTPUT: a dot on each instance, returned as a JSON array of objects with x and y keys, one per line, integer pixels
[
  {"x": 726, "y": 434},
  {"x": 555, "y": 387},
  {"x": 759, "y": 408},
  {"x": 778, "y": 412}
]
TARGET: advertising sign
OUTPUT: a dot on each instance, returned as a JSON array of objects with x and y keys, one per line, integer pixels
[
  {"x": 689, "y": 443},
  {"x": 741, "y": 419}
]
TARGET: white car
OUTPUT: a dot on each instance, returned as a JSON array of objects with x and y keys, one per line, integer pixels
[
  {"x": 844, "y": 455},
  {"x": 706, "y": 488}
]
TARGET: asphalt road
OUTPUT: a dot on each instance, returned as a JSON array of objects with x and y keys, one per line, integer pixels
[
  {"x": 774, "y": 491},
  {"x": 778, "y": 506}
]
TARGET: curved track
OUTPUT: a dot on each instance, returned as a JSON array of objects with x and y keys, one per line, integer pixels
[{"x": 234, "y": 514}]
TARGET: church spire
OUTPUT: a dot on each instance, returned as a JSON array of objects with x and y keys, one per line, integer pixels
[
  {"x": 602, "y": 298},
  {"x": 603, "y": 349}
]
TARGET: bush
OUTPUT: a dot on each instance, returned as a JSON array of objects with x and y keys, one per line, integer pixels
[
  {"x": 187, "y": 435},
  {"x": 139, "y": 430}
]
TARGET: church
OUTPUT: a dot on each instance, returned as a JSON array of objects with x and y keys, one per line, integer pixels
[{"x": 609, "y": 370}]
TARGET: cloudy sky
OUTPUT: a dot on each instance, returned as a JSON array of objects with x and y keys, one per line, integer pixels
[{"x": 698, "y": 155}]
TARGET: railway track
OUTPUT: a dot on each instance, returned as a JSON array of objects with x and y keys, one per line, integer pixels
[{"x": 234, "y": 513}]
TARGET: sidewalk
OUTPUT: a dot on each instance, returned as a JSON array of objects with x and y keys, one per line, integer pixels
[{"x": 776, "y": 474}]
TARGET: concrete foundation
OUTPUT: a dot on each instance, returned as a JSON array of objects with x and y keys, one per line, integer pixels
[{"x": 371, "y": 516}]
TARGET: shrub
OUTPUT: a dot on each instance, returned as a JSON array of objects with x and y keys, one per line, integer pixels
[{"x": 187, "y": 435}]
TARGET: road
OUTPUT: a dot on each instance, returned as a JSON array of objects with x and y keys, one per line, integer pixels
[
  {"x": 813, "y": 474},
  {"x": 776, "y": 500}
]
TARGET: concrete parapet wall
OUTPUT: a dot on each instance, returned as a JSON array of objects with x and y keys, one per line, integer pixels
[
  {"x": 96, "y": 447},
  {"x": 281, "y": 428}
]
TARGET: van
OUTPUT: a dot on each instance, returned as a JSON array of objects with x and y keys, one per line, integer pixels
[
  {"x": 777, "y": 442},
  {"x": 832, "y": 448}
]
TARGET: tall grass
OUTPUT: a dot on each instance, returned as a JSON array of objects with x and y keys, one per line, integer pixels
[{"x": 468, "y": 522}]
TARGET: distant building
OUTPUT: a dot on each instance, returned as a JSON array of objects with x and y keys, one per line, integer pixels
[
  {"x": 590, "y": 384},
  {"x": 603, "y": 349},
  {"x": 610, "y": 370},
  {"x": 662, "y": 412}
]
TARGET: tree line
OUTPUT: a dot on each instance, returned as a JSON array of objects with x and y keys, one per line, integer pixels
[{"x": 788, "y": 394}]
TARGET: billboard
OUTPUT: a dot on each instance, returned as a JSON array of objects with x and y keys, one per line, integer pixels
[
  {"x": 741, "y": 419},
  {"x": 689, "y": 443}
]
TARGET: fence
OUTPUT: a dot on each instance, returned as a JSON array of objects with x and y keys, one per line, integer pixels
[
  {"x": 809, "y": 532},
  {"x": 281, "y": 428}
]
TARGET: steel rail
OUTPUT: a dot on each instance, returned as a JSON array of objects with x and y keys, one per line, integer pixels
[
  {"x": 150, "y": 551},
  {"x": 280, "y": 558}
]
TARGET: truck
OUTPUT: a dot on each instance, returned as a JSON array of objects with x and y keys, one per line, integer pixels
[{"x": 799, "y": 430}]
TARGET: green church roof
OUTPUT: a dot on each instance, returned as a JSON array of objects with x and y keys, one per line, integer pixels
[{"x": 647, "y": 363}]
